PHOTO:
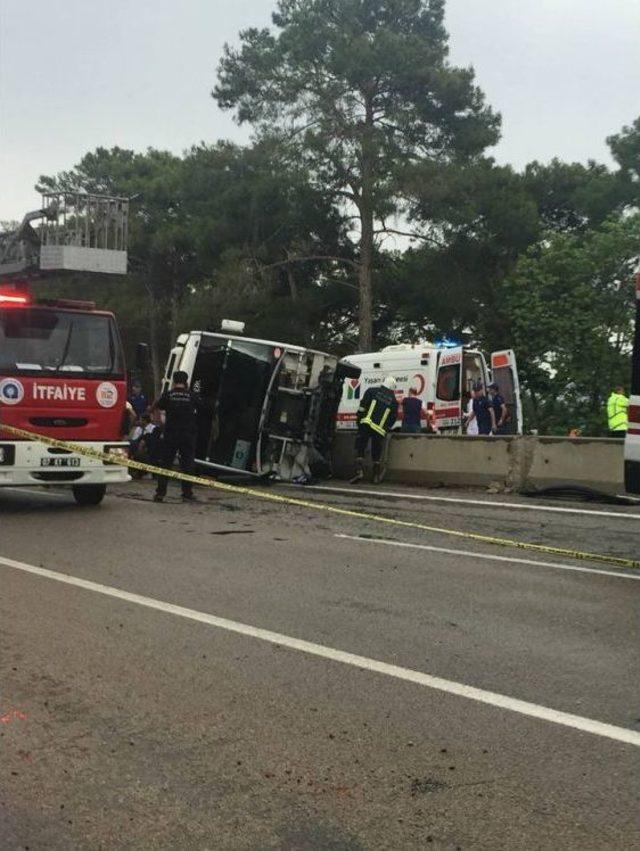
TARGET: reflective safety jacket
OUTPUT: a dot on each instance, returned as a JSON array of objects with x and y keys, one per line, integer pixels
[
  {"x": 618, "y": 412},
  {"x": 378, "y": 410}
]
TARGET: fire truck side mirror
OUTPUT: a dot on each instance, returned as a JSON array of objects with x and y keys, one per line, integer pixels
[{"x": 142, "y": 356}]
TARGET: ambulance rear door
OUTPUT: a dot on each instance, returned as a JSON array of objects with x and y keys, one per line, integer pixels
[
  {"x": 353, "y": 389},
  {"x": 448, "y": 391},
  {"x": 504, "y": 373}
]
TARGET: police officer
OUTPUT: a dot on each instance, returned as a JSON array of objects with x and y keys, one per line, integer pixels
[
  {"x": 483, "y": 412},
  {"x": 181, "y": 408},
  {"x": 618, "y": 413},
  {"x": 375, "y": 418},
  {"x": 500, "y": 410}
]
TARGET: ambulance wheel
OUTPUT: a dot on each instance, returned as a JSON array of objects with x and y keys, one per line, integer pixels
[{"x": 89, "y": 494}]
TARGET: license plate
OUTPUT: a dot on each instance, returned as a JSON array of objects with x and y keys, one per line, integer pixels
[{"x": 65, "y": 461}]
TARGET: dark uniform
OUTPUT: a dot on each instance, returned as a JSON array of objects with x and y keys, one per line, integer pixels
[
  {"x": 412, "y": 415},
  {"x": 181, "y": 407},
  {"x": 497, "y": 401},
  {"x": 376, "y": 416},
  {"x": 482, "y": 408}
]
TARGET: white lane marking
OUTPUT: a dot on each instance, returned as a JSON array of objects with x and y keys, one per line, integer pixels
[
  {"x": 470, "y": 554},
  {"x": 501, "y": 701},
  {"x": 487, "y": 503},
  {"x": 35, "y": 491}
]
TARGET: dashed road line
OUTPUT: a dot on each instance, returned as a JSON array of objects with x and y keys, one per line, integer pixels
[
  {"x": 487, "y": 556},
  {"x": 484, "y": 503}
]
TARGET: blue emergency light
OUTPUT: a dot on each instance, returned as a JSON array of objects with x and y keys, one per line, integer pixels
[{"x": 445, "y": 342}]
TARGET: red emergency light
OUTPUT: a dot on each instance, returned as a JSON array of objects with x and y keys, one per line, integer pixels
[{"x": 13, "y": 298}]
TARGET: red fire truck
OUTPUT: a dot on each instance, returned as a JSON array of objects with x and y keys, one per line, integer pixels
[{"x": 62, "y": 369}]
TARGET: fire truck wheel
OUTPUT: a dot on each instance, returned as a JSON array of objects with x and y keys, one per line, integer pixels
[{"x": 89, "y": 494}]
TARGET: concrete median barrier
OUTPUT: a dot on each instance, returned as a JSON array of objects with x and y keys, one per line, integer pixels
[
  {"x": 596, "y": 462},
  {"x": 516, "y": 463}
]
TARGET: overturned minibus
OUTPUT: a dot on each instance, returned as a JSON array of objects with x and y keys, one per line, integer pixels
[{"x": 269, "y": 408}]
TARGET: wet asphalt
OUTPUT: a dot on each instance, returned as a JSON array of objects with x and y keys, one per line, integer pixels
[{"x": 129, "y": 727}]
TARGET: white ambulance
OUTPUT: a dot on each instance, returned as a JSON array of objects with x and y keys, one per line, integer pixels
[{"x": 442, "y": 375}]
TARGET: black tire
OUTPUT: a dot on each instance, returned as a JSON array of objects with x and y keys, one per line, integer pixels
[{"x": 89, "y": 494}]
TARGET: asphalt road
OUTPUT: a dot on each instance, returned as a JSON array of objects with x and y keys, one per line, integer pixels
[{"x": 129, "y": 723}]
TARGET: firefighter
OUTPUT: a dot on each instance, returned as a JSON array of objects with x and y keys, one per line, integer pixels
[
  {"x": 618, "y": 413},
  {"x": 181, "y": 408},
  {"x": 375, "y": 418}
]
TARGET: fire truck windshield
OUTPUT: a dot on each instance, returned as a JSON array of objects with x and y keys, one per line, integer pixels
[{"x": 36, "y": 340}]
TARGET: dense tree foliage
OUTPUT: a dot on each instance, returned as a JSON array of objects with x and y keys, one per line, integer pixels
[
  {"x": 625, "y": 147},
  {"x": 569, "y": 306},
  {"x": 358, "y": 90}
]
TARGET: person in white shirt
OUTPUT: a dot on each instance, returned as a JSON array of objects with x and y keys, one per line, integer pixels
[{"x": 470, "y": 420}]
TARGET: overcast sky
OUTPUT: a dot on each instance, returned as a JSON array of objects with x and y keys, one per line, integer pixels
[{"x": 75, "y": 74}]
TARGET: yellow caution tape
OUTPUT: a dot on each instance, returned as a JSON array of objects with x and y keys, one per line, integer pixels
[{"x": 81, "y": 449}]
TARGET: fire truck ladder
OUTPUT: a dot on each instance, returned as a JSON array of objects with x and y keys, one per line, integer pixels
[{"x": 78, "y": 232}]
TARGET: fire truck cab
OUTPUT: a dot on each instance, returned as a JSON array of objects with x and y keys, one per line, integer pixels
[
  {"x": 443, "y": 377},
  {"x": 62, "y": 375}
]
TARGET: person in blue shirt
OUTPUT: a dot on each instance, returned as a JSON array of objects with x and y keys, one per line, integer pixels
[
  {"x": 412, "y": 413},
  {"x": 138, "y": 400},
  {"x": 483, "y": 412}
]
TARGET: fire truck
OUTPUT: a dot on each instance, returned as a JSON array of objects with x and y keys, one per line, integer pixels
[
  {"x": 62, "y": 368},
  {"x": 632, "y": 441},
  {"x": 442, "y": 374}
]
